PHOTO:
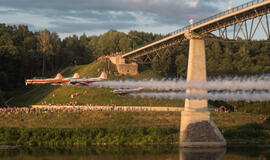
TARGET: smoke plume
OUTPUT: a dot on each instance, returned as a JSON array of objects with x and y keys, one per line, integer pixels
[
  {"x": 215, "y": 96},
  {"x": 228, "y": 84}
]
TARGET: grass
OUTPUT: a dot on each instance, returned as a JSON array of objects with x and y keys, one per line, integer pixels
[
  {"x": 91, "y": 119},
  {"x": 93, "y": 69},
  {"x": 147, "y": 74},
  {"x": 237, "y": 119},
  {"x": 85, "y": 95},
  {"x": 105, "y": 119}
]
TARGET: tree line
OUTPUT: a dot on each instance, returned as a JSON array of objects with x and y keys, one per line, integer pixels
[{"x": 223, "y": 58}]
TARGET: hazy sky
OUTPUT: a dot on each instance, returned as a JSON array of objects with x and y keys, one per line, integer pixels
[{"x": 94, "y": 17}]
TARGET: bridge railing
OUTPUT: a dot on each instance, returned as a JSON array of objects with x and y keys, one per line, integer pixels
[{"x": 221, "y": 14}]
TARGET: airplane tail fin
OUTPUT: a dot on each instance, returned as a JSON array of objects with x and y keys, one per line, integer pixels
[
  {"x": 58, "y": 76},
  {"x": 76, "y": 75},
  {"x": 103, "y": 75}
]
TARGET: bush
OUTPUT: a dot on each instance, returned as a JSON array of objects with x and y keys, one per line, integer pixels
[
  {"x": 88, "y": 136},
  {"x": 250, "y": 133},
  {"x": 1, "y": 97}
]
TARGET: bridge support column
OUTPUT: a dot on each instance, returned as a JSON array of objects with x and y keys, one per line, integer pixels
[{"x": 197, "y": 128}]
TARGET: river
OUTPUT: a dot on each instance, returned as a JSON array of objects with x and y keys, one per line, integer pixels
[{"x": 134, "y": 153}]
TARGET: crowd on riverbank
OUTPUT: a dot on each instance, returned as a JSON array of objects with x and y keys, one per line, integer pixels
[{"x": 78, "y": 109}]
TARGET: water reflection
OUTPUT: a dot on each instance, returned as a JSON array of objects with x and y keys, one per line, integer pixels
[
  {"x": 94, "y": 153},
  {"x": 201, "y": 153},
  {"x": 134, "y": 153}
]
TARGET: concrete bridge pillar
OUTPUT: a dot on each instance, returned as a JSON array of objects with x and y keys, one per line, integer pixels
[{"x": 197, "y": 128}]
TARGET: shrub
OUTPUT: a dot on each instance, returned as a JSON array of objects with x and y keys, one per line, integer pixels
[
  {"x": 1, "y": 97},
  {"x": 88, "y": 136}
]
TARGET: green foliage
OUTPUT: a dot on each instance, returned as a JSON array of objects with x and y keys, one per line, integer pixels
[
  {"x": 1, "y": 97},
  {"x": 181, "y": 63},
  {"x": 251, "y": 133},
  {"x": 88, "y": 136},
  {"x": 223, "y": 58},
  {"x": 4, "y": 82},
  {"x": 163, "y": 65}
]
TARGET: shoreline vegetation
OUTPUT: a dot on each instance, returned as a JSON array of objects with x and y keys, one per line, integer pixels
[{"x": 122, "y": 128}]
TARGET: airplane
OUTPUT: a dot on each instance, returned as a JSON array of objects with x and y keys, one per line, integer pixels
[
  {"x": 87, "y": 81},
  {"x": 127, "y": 91},
  {"x": 53, "y": 81}
]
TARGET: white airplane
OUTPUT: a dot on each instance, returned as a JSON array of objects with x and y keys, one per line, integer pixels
[
  {"x": 127, "y": 91},
  {"x": 87, "y": 81},
  {"x": 53, "y": 81}
]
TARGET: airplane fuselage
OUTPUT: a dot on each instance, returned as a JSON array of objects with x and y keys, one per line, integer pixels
[
  {"x": 46, "y": 81},
  {"x": 127, "y": 91},
  {"x": 84, "y": 81}
]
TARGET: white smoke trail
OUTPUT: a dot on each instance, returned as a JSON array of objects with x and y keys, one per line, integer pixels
[
  {"x": 238, "y": 96},
  {"x": 230, "y": 84}
]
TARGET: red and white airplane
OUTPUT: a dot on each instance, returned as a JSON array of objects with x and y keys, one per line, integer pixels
[
  {"x": 54, "y": 81},
  {"x": 87, "y": 81},
  {"x": 127, "y": 91}
]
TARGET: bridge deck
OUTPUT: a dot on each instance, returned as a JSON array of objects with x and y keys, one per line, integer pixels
[{"x": 227, "y": 18}]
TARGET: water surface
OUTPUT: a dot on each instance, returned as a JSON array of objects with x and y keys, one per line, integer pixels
[{"x": 134, "y": 153}]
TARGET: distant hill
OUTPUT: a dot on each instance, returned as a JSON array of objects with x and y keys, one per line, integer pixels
[{"x": 92, "y": 70}]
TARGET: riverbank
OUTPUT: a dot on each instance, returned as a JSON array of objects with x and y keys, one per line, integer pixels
[{"x": 125, "y": 128}]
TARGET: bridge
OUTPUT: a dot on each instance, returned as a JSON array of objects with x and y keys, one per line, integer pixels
[
  {"x": 233, "y": 17},
  {"x": 197, "y": 128}
]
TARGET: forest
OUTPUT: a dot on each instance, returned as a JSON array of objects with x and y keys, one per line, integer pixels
[{"x": 26, "y": 54}]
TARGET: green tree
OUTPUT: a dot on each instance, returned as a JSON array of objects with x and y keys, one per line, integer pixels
[
  {"x": 44, "y": 46},
  {"x": 156, "y": 65},
  {"x": 163, "y": 65},
  {"x": 55, "y": 49},
  {"x": 124, "y": 44},
  {"x": 2, "y": 100},
  {"x": 181, "y": 65},
  {"x": 166, "y": 63}
]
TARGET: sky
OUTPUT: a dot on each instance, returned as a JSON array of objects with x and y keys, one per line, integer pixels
[{"x": 94, "y": 17}]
